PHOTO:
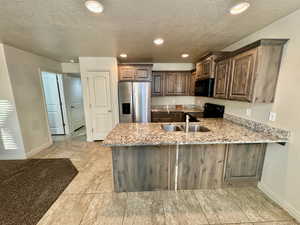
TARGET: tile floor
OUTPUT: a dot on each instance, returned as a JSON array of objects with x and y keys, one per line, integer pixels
[{"x": 90, "y": 200}]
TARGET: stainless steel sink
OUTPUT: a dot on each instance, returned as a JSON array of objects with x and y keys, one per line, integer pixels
[
  {"x": 171, "y": 127},
  {"x": 196, "y": 128}
]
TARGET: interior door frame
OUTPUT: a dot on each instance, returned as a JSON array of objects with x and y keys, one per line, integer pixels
[{"x": 40, "y": 71}]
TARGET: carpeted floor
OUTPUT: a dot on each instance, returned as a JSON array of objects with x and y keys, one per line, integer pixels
[{"x": 29, "y": 187}]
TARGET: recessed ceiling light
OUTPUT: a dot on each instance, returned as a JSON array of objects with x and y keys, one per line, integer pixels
[
  {"x": 184, "y": 55},
  {"x": 239, "y": 8},
  {"x": 158, "y": 41},
  {"x": 123, "y": 55},
  {"x": 94, "y": 6}
]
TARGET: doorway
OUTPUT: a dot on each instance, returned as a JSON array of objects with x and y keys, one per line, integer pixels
[
  {"x": 55, "y": 102},
  {"x": 64, "y": 104}
]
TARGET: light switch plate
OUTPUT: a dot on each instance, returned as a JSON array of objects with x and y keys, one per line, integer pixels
[
  {"x": 248, "y": 112},
  {"x": 272, "y": 116}
]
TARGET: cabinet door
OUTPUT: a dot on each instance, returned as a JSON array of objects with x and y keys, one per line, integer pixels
[
  {"x": 207, "y": 68},
  {"x": 242, "y": 76},
  {"x": 193, "y": 79},
  {"x": 126, "y": 72},
  {"x": 143, "y": 73},
  {"x": 222, "y": 79},
  {"x": 176, "y": 83},
  {"x": 244, "y": 162},
  {"x": 157, "y": 84}
]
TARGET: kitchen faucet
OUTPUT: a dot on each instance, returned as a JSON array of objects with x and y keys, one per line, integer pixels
[{"x": 187, "y": 121}]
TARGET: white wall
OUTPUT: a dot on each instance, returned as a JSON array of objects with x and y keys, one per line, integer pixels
[
  {"x": 94, "y": 64},
  {"x": 281, "y": 179},
  {"x": 70, "y": 67},
  {"x": 24, "y": 72}
]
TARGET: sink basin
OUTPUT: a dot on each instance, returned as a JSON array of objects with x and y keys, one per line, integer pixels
[
  {"x": 171, "y": 127},
  {"x": 196, "y": 128}
]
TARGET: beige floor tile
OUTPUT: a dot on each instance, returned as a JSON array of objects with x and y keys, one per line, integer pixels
[
  {"x": 106, "y": 209},
  {"x": 67, "y": 210},
  {"x": 219, "y": 207}
]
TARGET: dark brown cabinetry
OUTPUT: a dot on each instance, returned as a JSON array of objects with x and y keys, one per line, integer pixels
[
  {"x": 253, "y": 72},
  {"x": 205, "y": 68},
  {"x": 170, "y": 83},
  {"x": 157, "y": 83},
  {"x": 244, "y": 162},
  {"x": 193, "y": 79},
  {"x": 222, "y": 79},
  {"x": 137, "y": 72},
  {"x": 242, "y": 76},
  {"x": 166, "y": 117},
  {"x": 176, "y": 83}
]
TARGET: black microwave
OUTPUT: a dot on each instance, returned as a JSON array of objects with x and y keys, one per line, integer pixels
[{"x": 205, "y": 87}]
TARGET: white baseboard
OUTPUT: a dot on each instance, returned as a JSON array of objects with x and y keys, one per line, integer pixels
[
  {"x": 283, "y": 203},
  {"x": 38, "y": 149}
]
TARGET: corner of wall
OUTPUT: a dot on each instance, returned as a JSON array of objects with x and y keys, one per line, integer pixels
[{"x": 280, "y": 201}]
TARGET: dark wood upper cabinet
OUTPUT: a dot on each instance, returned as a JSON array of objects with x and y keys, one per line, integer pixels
[
  {"x": 139, "y": 72},
  {"x": 253, "y": 72},
  {"x": 157, "y": 83},
  {"x": 242, "y": 76},
  {"x": 205, "y": 68},
  {"x": 176, "y": 83},
  {"x": 192, "y": 82},
  {"x": 222, "y": 79},
  {"x": 126, "y": 72}
]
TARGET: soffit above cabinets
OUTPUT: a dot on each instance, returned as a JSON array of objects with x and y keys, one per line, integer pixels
[{"x": 64, "y": 30}]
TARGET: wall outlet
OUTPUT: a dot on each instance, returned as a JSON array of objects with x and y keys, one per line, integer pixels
[
  {"x": 272, "y": 116},
  {"x": 248, "y": 112}
]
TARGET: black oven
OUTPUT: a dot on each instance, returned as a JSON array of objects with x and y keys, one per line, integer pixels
[{"x": 205, "y": 87}]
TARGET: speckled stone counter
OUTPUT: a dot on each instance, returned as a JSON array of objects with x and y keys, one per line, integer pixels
[
  {"x": 222, "y": 131},
  {"x": 172, "y": 108}
]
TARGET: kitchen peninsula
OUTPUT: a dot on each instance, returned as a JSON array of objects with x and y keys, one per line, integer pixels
[{"x": 160, "y": 156}]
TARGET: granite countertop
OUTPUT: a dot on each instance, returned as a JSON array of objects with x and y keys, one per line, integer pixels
[
  {"x": 222, "y": 131},
  {"x": 172, "y": 108}
]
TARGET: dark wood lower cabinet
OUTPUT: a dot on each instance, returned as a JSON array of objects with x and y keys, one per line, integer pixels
[
  {"x": 244, "y": 162},
  {"x": 166, "y": 117},
  {"x": 200, "y": 166},
  {"x": 149, "y": 168},
  {"x": 143, "y": 168}
]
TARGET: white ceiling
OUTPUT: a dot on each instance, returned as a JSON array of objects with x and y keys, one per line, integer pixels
[{"x": 64, "y": 29}]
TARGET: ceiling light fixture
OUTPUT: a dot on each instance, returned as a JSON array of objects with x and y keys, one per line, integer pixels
[
  {"x": 184, "y": 55},
  {"x": 123, "y": 55},
  {"x": 158, "y": 41},
  {"x": 239, "y": 8},
  {"x": 94, "y": 6}
]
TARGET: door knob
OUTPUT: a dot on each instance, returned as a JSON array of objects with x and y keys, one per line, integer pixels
[{"x": 109, "y": 111}]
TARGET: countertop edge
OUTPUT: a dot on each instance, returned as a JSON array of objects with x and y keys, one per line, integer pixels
[{"x": 282, "y": 141}]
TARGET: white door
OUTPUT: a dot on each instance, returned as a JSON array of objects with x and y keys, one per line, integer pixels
[
  {"x": 73, "y": 93},
  {"x": 53, "y": 103},
  {"x": 100, "y": 104}
]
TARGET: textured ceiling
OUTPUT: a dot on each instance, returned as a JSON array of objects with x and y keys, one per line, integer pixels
[{"x": 64, "y": 29}]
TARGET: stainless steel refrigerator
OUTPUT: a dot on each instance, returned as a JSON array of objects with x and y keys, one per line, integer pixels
[{"x": 135, "y": 102}]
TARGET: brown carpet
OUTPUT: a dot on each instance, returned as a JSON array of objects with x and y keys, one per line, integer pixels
[{"x": 29, "y": 187}]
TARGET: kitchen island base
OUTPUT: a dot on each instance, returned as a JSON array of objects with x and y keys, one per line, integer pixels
[{"x": 183, "y": 167}]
